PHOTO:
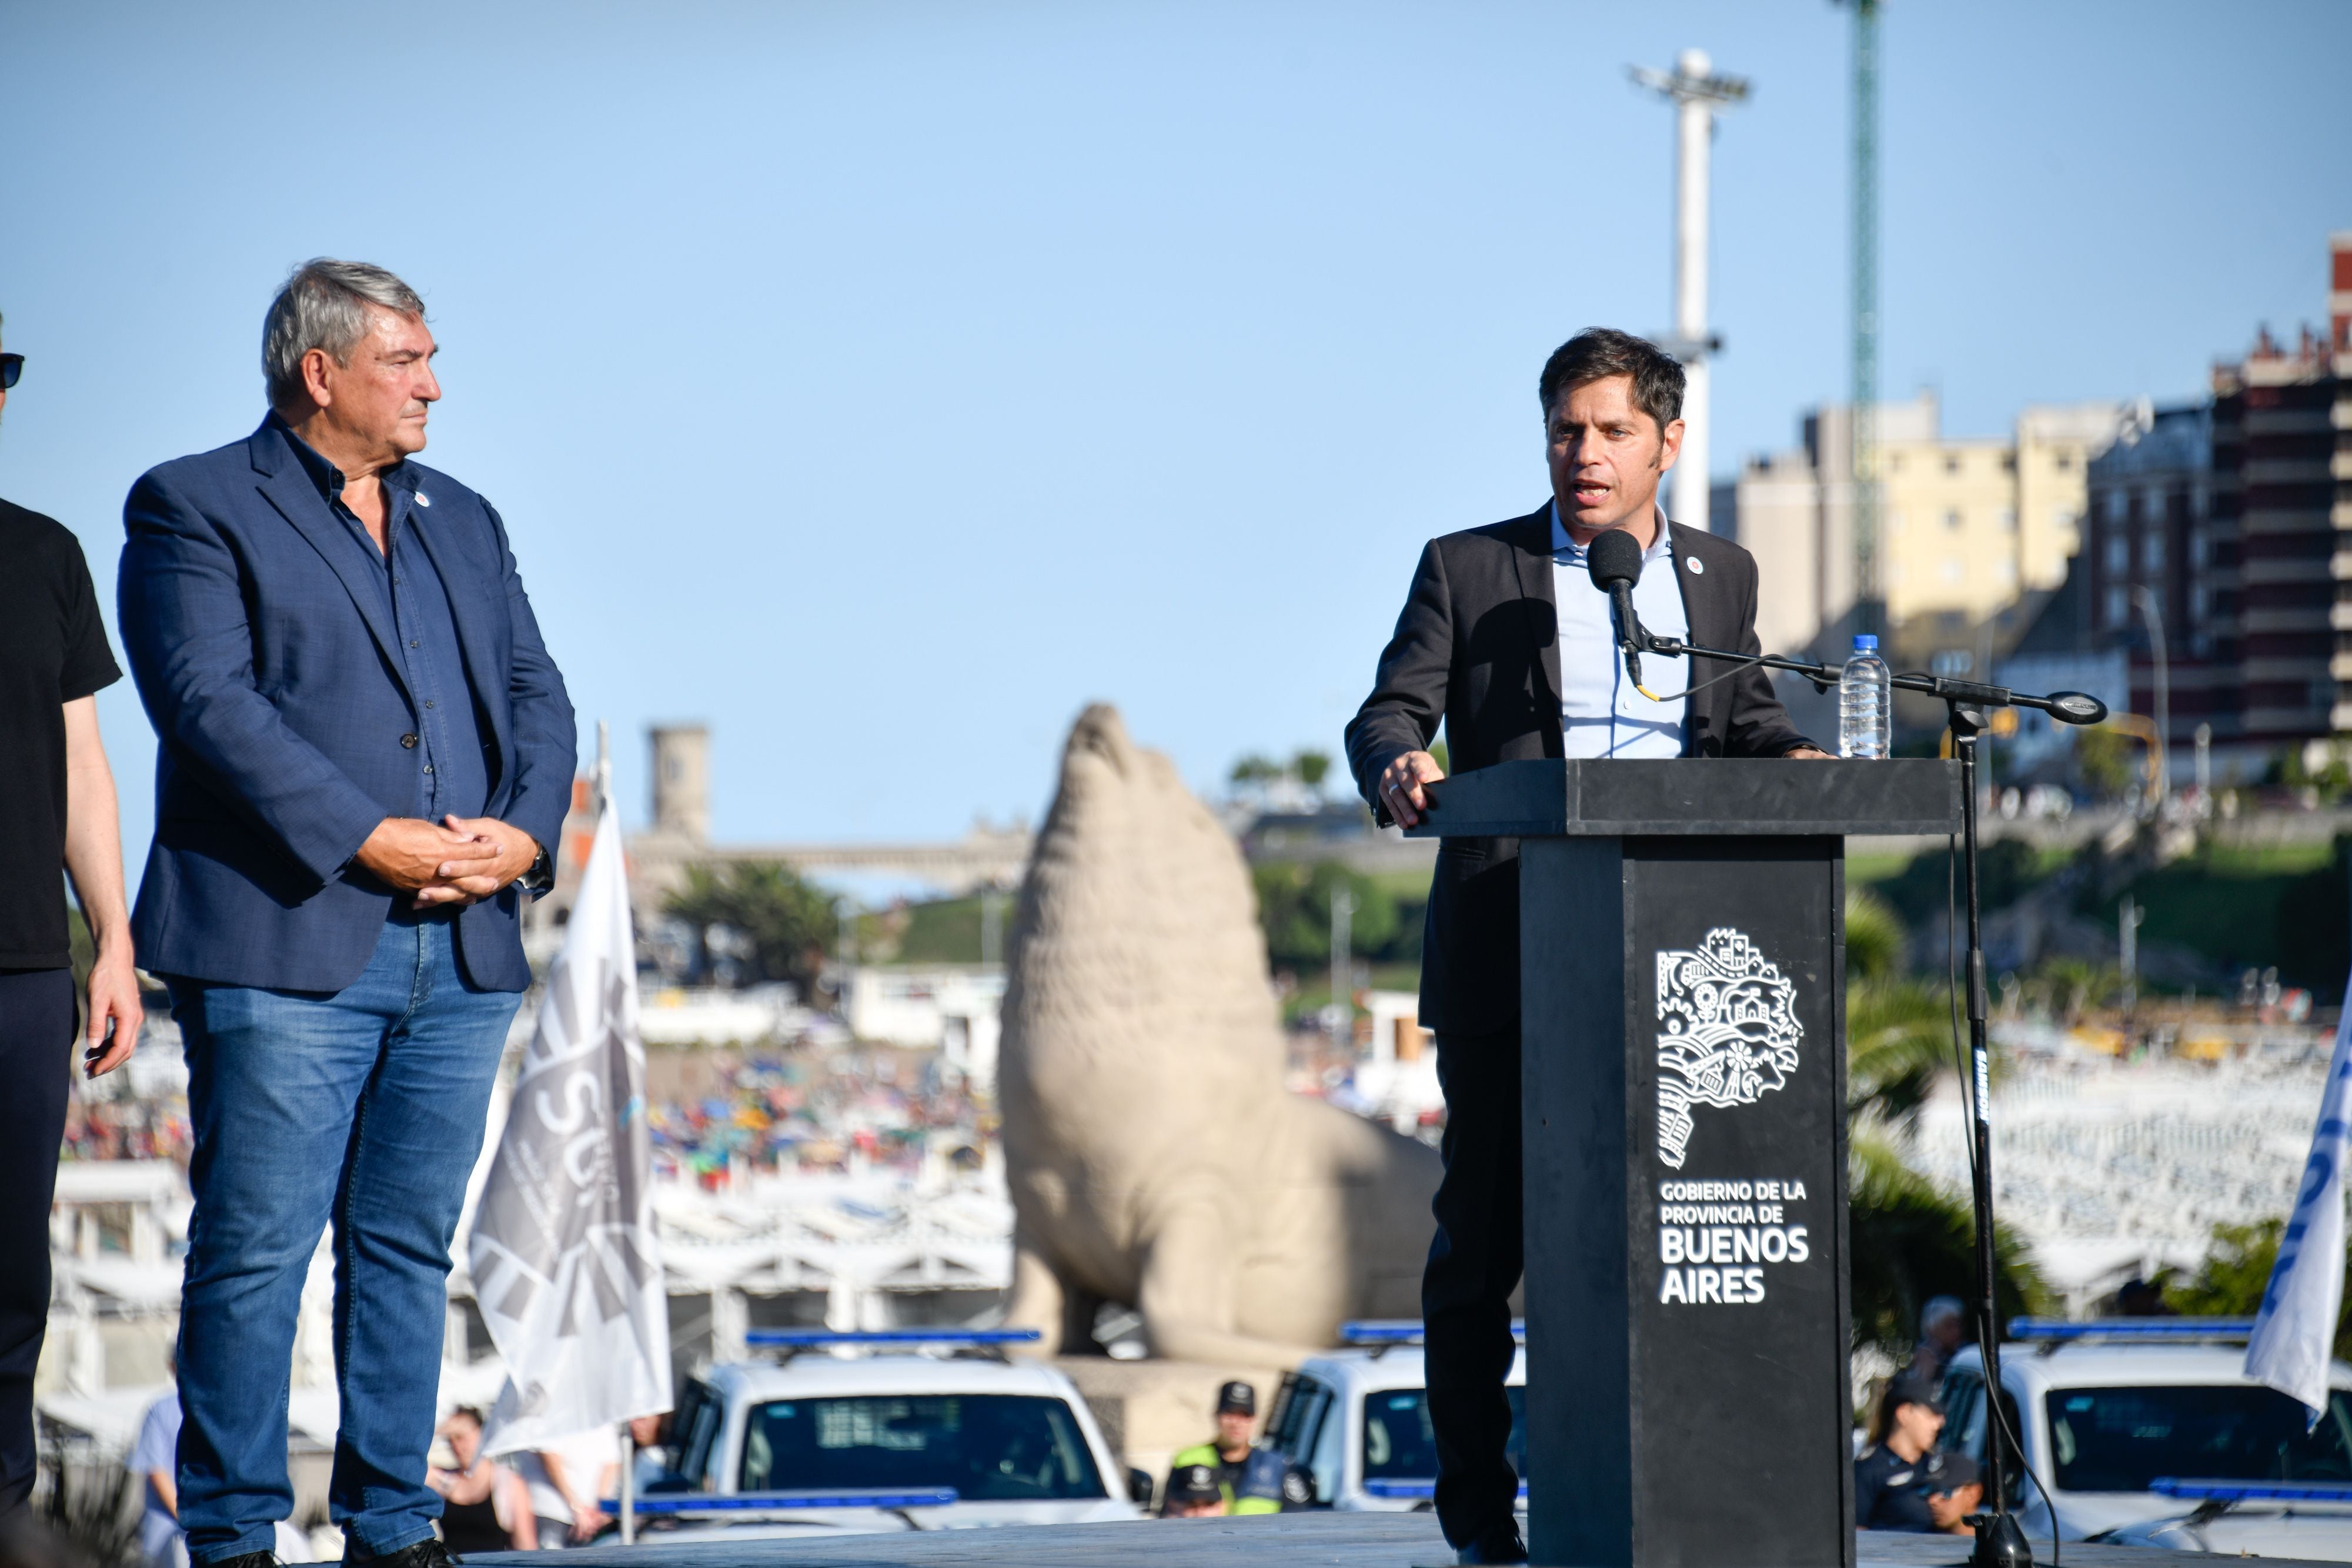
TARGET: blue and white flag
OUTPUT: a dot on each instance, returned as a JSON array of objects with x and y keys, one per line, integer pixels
[
  {"x": 2290, "y": 1348},
  {"x": 566, "y": 1264}
]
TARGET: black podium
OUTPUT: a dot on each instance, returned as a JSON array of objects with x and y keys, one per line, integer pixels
[{"x": 1683, "y": 1015}]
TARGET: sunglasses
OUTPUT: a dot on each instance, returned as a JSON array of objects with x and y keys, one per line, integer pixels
[{"x": 11, "y": 366}]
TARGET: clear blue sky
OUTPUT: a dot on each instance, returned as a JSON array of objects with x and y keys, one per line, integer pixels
[{"x": 881, "y": 382}]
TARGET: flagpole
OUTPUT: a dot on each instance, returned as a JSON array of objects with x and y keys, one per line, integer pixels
[
  {"x": 600, "y": 794},
  {"x": 628, "y": 1473}
]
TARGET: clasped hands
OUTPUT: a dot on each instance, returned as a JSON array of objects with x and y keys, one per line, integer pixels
[{"x": 459, "y": 860}]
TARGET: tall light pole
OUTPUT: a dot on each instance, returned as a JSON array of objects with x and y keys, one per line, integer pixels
[
  {"x": 1342, "y": 1013},
  {"x": 1697, "y": 92},
  {"x": 1863, "y": 425},
  {"x": 2149, "y": 612}
]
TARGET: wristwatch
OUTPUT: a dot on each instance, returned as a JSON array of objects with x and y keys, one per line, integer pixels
[{"x": 541, "y": 878}]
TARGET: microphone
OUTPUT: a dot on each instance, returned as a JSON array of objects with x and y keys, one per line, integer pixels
[{"x": 1614, "y": 560}]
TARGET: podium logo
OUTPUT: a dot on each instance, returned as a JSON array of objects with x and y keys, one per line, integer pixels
[{"x": 1727, "y": 1032}]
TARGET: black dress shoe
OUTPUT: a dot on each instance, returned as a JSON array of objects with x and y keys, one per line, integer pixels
[
  {"x": 427, "y": 1553},
  {"x": 248, "y": 1560},
  {"x": 1502, "y": 1545}
]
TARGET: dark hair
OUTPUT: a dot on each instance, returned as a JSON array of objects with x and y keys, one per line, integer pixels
[
  {"x": 1899, "y": 1391},
  {"x": 470, "y": 1414},
  {"x": 1602, "y": 351}
]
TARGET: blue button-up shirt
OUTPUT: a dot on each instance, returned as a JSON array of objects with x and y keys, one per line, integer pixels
[
  {"x": 451, "y": 774},
  {"x": 1601, "y": 714}
]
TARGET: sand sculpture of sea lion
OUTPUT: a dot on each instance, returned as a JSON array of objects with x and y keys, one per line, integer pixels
[{"x": 1156, "y": 1159}]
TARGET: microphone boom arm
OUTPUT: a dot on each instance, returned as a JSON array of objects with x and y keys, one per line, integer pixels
[{"x": 2066, "y": 707}]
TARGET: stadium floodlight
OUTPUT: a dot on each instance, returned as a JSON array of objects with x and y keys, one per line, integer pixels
[{"x": 2057, "y": 1331}]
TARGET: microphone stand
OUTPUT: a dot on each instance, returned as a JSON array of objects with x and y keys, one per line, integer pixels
[{"x": 2000, "y": 1540}]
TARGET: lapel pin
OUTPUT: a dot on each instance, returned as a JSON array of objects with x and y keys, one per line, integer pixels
[
  {"x": 1697, "y": 567},
  {"x": 423, "y": 499}
]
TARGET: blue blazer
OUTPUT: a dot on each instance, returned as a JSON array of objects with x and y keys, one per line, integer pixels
[{"x": 268, "y": 670}]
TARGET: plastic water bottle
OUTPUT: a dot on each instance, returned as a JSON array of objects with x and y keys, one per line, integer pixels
[{"x": 1866, "y": 725}]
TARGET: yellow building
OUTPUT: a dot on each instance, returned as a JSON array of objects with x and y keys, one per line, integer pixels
[{"x": 1968, "y": 525}]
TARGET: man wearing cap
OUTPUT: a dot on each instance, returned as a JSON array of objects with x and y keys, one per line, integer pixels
[
  {"x": 1192, "y": 1493},
  {"x": 1903, "y": 1481},
  {"x": 1249, "y": 1479}
]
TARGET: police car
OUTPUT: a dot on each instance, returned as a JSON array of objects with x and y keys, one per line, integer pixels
[
  {"x": 885, "y": 1430},
  {"x": 1356, "y": 1421},
  {"x": 2140, "y": 1424}
]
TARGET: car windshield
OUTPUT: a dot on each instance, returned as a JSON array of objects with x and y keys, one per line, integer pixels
[
  {"x": 1398, "y": 1443},
  {"x": 2119, "y": 1439},
  {"x": 992, "y": 1448}
]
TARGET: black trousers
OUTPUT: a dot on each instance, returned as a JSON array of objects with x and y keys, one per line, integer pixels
[
  {"x": 37, "y": 1029},
  {"x": 1465, "y": 1293}
]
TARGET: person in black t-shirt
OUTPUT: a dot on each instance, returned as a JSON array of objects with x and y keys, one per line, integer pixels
[{"x": 57, "y": 810}]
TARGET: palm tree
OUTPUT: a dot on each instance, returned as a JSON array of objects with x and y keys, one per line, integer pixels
[
  {"x": 1909, "y": 1239},
  {"x": 1899, "y": 1031}
]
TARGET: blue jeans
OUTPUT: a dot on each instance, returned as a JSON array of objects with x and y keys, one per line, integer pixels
[{"x": 364, "y": 1108}]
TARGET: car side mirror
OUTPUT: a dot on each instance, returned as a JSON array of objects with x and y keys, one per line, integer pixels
[{"x": 1139, "y": 1488}]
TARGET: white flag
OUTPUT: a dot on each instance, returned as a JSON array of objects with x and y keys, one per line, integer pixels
[
  {"x": 2290, "y": 1348},
  {"x": 566, "y": 1262}
]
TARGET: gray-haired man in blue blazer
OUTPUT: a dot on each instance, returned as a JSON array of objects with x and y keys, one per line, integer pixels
[{"x": 366, "y": 755}]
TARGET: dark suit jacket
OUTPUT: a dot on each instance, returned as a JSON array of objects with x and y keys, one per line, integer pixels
[
  {"x": 269, "y": 672},
  {"x": 1477, "y": 647}
]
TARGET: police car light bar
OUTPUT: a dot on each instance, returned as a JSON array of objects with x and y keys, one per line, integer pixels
[
  {"x": 1415, "y": 1491},
  {"x": 784, "y": 1501},
  {"x": 1402, "y": 1331},
  {"x": 811, "y": 1339},
  {"x": 2252, "y": 1491},
  {"x": 2057, "y": 1331}
]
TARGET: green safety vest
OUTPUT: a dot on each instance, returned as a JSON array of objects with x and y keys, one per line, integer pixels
[{"x": 1250, "y": 1501}]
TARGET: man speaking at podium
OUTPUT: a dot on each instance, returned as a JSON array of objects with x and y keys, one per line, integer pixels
[{"x": 1505, "y": 638}]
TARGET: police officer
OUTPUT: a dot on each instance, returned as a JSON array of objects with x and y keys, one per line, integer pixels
[
  {"x": 1192, "y": 1493},
  {"x": 1903, "y": 1481},
  {"x": 1250, "y": 1479}
]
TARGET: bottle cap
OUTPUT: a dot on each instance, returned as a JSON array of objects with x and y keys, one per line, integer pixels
[{"x": 1865, "y": 642}]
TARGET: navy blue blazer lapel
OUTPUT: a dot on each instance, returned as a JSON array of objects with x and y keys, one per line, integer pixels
[
  {"x": 1531, "y": 560},
  {"x": 463, "y": 583},
  {"x": 286, "y": 487}
]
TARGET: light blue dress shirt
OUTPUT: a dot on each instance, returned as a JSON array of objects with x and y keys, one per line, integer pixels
[{"x": 1601, "y": 714}]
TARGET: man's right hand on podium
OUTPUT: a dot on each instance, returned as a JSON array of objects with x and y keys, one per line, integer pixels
[{"x": 1400, "y": 785}]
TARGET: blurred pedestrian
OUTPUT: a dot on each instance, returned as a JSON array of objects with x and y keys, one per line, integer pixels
[
  {"x": 568, "y": 1482},
  {"x": 650, "y": 1435},
  {"x": 60, "y": 811},
  {"x": 1902, "y": 1481},
  {"x": 365, "y": 754},
  {"x": 153, "y": 1462},
  {"x": 1193, "y": 1492},
  {"x": 2139, "y": 1298},
  {"x": 485, "y": 1507},
  {"x": 1943, "y": 1324},
  {"x": 1251, "y": 1480}
]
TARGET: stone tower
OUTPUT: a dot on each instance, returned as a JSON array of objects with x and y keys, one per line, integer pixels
[{"x": 682, "y": 780}]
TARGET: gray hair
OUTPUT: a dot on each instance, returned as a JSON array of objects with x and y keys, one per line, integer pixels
[
  {"x": 1940, "y": 1310},
  {"x": 324, "y": 306}
]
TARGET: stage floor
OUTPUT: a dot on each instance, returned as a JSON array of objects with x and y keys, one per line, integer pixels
[{"x": 1310, "y": 1541}]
